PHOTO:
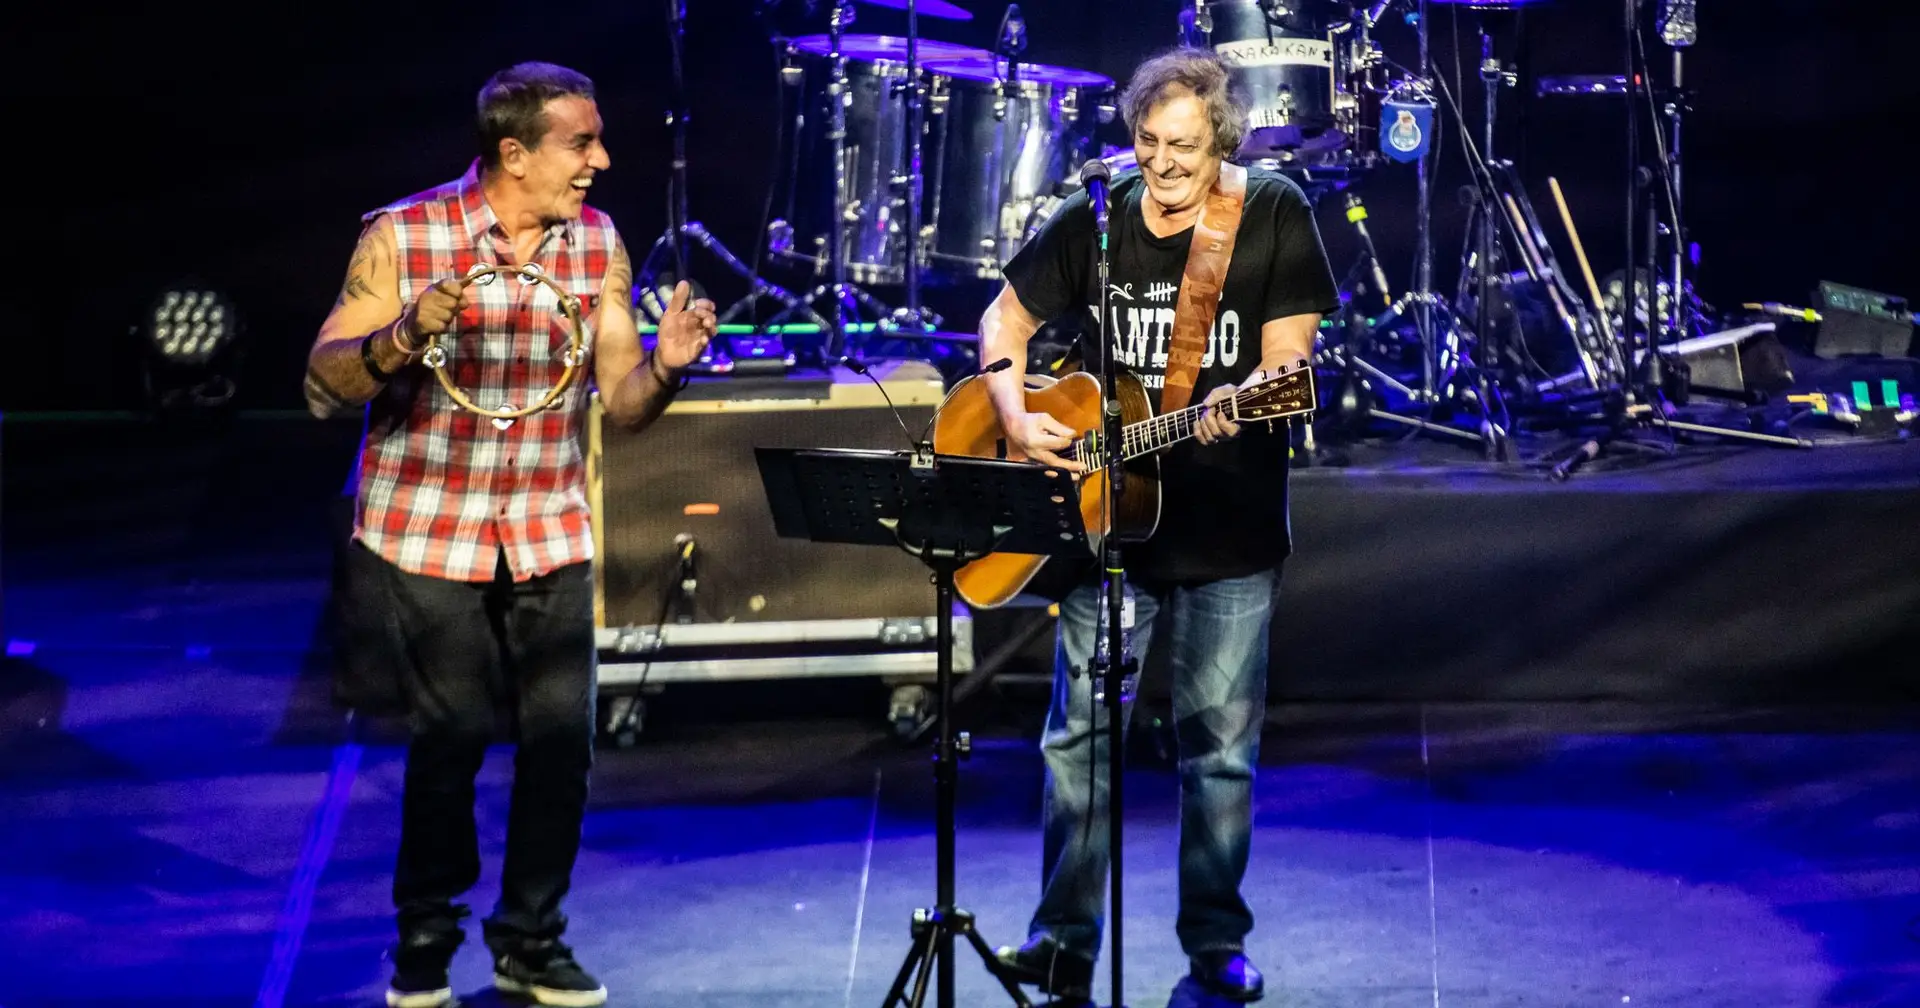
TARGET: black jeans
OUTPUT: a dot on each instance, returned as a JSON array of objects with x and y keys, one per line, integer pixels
[{"x": 479, "y": 649}]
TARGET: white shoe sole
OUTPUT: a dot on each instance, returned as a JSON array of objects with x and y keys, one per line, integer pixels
[
  {"x": 549, "y": 996},
  {"x": 420, "y": 999}
]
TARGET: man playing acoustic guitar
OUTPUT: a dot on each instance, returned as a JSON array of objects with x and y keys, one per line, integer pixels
[{"x": 1223, "y": 531}]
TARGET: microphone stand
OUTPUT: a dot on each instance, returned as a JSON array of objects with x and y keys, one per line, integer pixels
[
  {"x": 677, "y": 207},
  {"x": 1640, "y": 369},
  {"x": 1111, "y": 675}
]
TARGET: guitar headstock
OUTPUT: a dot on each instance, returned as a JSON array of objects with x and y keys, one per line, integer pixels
[{"x": 1289, "y": 393}]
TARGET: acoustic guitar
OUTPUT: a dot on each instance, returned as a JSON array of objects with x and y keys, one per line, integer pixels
[{"x": 967, "y": 425}]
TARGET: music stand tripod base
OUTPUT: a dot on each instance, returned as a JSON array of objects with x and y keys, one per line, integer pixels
[{"x": 947, "y": 511}]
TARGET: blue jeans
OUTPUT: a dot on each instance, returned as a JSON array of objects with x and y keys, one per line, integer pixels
[{"x": 1219, "y": 669}]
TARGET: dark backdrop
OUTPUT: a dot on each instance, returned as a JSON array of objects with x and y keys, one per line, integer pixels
[{"x": 240, "y": 146}]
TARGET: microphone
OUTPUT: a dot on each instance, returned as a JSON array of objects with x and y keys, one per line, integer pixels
[
  {"x": 1676, "y": 23},
  {"x": 1013, "y": 32},
  {"x": 1377, "y": 11},
  {"x": 1357, "y": 214},
  {"x": 1094, "y": 175},
  {"x": 1587, "y": 452},
  {"x": 859, "y": 367},
  {"x": 997, "y": 366}
]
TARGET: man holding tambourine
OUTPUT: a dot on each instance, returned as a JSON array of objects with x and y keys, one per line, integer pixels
[{"x": 467, "y": 314}]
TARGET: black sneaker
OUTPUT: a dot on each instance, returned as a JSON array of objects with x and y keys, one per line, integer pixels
[
  {"x": 1228, "y": 973},
  {"x": 547, "y": 974},
  {"x": 420, "y": 990},
  {"x": 420, "y": 974},
  {"x": 1042, "y": 963}
]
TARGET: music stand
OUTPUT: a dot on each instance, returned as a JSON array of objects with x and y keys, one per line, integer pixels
[{"x": 946, "y": 510}]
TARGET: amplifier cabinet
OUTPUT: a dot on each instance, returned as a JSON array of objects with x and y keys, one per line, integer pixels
[{"x": 691, "y": 582}]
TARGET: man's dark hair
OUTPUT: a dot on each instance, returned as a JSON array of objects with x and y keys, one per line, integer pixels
[
  {"x": 512, "y": 104},
  {"x": 1188, "y": 70}
]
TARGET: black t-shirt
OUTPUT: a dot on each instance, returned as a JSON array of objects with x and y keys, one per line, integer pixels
[{"x": 1223, "y": 506}]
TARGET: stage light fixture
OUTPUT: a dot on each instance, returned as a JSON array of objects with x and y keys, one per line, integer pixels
[
  {"x": 192, "y": 336},
  {"x": 191, "y": 325}
]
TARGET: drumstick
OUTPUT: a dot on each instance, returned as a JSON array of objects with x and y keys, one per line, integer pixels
[
  {"x": 1540, "y": 267},
  {"x": 1580, "y": 253}
]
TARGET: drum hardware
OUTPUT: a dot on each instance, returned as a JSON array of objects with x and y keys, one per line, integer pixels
[
  {"x": 1284, "y": 60},
  {"x": 1493, "y": 76},
  {"x": 1305, "y": 74},
  {"x": 1504, "y": 209},
  {"x": 672, "y": 244},
  {"x": 845, "y": 298},
  {"x": 1009, "y": 132},
  {"x": 912, "y": 317},
  {"x": 855, "y": 226},
  {"x": 1450, "y": 374},
  {"x": 1678, "y": 30},
  {"x": 1580, "y": 84},
  {"x": 1665, "y": 308}
]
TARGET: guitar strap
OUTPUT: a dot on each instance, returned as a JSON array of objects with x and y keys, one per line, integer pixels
[{"x": 1206, "y": 276}]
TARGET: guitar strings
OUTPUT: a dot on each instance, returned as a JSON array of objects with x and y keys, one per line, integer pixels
[
  {"x": 1153, "y": 433},
  {"x": 1166, "y": 425}
]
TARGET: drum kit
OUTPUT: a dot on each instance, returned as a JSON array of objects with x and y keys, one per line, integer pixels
[
  {"x": 916, "y": 162},
  {"x": 921, "y": 162}
]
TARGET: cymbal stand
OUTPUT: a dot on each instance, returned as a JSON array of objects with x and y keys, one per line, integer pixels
[
  {"x": 912, "y": 317},
  {"x": 1448, "y": 372},
  {"x": 1493, "y": 75},
  {"x": 672, "y": 244},
  {"x": 843, "y": 316},
  {"x": 1645, "y": 401},
  {"x": 1678, "y": 30},
  {"x": 1342, "y": 347}
]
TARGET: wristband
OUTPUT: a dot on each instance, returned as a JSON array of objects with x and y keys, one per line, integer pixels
[
  {"x": 394, "y": 334},
  {"x": 666, "y": 381},
  {"x": 373, "y": 366}
]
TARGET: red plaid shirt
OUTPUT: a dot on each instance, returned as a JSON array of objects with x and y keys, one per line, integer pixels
[{"x": 443, "y": 491}]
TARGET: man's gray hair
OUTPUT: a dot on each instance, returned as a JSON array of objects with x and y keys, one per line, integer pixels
[{"x": 1191, "y": 70}]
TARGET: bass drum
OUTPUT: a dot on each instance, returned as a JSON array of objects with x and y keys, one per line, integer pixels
[
  {"x": 1285, "y": 64},
  {"x": 1002, "y": 147},
  {"x": 871, "y": 227}
]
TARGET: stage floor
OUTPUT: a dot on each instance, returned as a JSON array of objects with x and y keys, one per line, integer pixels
[
  {"x": 1450, "y": 810},
  {"x": 187, "y": 824}
]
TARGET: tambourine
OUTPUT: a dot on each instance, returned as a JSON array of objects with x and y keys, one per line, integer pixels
[{"x": 435, "y": 356}]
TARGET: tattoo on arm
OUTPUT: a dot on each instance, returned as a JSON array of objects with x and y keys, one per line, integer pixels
[
  {"x": 367, "y": 256},
  {"x": 620, "y": 277}
]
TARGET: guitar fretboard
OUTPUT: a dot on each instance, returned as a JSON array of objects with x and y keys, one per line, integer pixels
[{"x": 1144, "y": 437}]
